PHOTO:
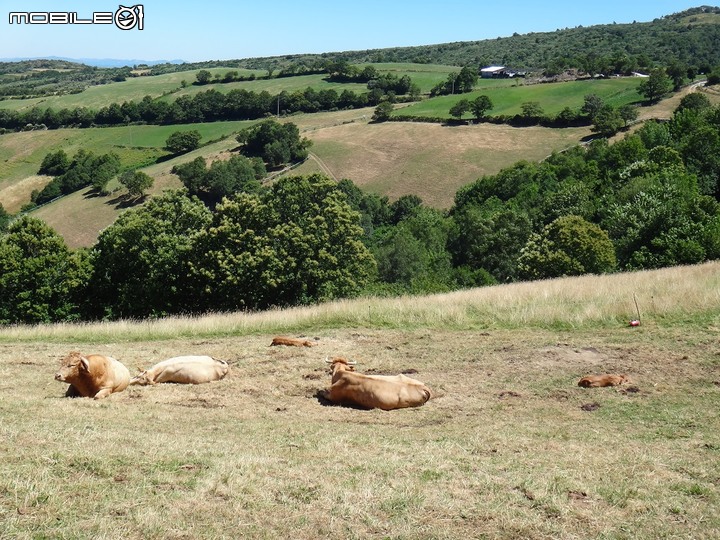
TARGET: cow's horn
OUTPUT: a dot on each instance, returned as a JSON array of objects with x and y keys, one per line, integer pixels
[{"x": 328, "y": 360}]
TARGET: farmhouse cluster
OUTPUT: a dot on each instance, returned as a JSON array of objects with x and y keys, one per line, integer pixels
[
  {"x": 500, "y": 72},
  {"x": 97, "y": 376}
]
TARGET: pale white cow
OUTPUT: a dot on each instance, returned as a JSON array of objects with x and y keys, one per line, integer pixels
[{"x": 184, "y": 370}]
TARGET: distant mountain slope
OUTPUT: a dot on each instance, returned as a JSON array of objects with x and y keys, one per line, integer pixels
[
  {"x": 691, "y": 37},
  {"x": 57, "y": 61}
]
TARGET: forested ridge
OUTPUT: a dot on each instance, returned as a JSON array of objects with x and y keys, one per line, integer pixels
[{"x": 689, "y": 37}]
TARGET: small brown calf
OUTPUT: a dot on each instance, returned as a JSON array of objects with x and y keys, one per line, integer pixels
[
  {"x": 292, "y": 342},
  {"x": 595, "y": 381}
]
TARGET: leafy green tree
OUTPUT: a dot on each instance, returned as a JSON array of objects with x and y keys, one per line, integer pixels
[
  {"x": 655, "y": 86},
  {"x": 466, "y": 79},
  {"x": 566, "y": 117},
  {"x": 55, "y": 163},
  {"x": 531, "y": 110},
  {"x": 628, "y": 113},
  {"x": 401, "y": 257},
  {"x": 181, "y": 142},
  {"x": 592, "y": 104},
  {"x": 677, "y": 72},
  {"x": 4, "y": 218},
  {"x": 136, "y": 182},
  {"x": 41, "y": 280},
  {"x": 460, "y": 108},
  {"x": 383, "y": 112},
  {"x": 140, "y": 260},
  {"x": 573, "y": 197},
  {"x": 654, "y": 133},
  {"x": 102, "y": 169},
  {"x": 404, "y": 207},
  {"x": 297, "y": 243},
  {"x": 665, "y": 224},
  {"x": 569, "y": 246},
  {"x": 490, "y": 239},
  {"x": 203, "y": 76},
  {"x": 695, "y": 101},
  {"x": 607, "y": 121},
  {"x": 274, "y": 143},
  {"x": 480, "y": 106},
  {"x": 413, "y": 256},
  {"x": 374, "y": 209},
  {"x": 223, "y": 178}
]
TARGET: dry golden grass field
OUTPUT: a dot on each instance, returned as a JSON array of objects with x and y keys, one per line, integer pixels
[{"x": 509, "y": 447}]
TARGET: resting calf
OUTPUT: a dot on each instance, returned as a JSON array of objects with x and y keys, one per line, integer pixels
[{"x": 595, "y": 381}]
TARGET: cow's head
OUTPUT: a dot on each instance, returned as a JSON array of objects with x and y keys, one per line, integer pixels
[
  {"x": 71, "y": 366},
  {"x": 140, "y": 378},
  {"x": 339, "y": 363}
]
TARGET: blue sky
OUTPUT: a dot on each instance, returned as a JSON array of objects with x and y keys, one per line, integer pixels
[{"x": 214, "y": 30}]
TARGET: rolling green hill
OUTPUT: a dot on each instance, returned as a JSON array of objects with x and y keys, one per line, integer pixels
[{"x": 507, "y": 98}]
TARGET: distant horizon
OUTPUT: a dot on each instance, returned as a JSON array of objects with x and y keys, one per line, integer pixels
[{"x": 217, "y": 31}]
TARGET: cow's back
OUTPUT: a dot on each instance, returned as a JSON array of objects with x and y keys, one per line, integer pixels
[
  {"x": 188, "y": 370},
  {"x": 118, "y": 375}
]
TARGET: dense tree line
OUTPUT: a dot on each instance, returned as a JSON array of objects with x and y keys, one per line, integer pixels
[
  {"x": 647, "y": 201},
  {"x": 206, "y": 106}
]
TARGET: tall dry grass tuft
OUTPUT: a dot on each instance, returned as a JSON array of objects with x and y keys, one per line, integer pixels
[{"x": 661, "y": 296}]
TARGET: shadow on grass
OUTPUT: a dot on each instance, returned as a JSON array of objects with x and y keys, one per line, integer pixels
[
  {"x": 126, "y": 201},
  {"x": 320, "y": 395}
]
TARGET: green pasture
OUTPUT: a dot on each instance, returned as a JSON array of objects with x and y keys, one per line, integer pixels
[
  {"x": 170, "y": 86},
  {"x": 132, "y": 89},
  {"x": 273, "y": 86},
  {"x": 137, "y": 145},
  {"x": 426, "y": 76},
  {"x": 552, "y": 97}
]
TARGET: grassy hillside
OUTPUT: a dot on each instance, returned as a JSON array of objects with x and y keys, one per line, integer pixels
[
  {"x": 429, "y": 160},
  {"x": 169, "y": 86},
  {"x": 553, "y": 98},
  {"x": 393, "y": 159},
  {"x": 138, "y": 146},
  {"x": 509, "y": 447}
]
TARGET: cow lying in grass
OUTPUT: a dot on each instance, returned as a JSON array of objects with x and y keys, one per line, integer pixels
[
  {"x": 595, "y": 381},
  {"x": 385, "y": 392},
  {"x": 184, "y": 370},
  {"x": 292, "y": 342},
  {"x": 94, "y": 375}
]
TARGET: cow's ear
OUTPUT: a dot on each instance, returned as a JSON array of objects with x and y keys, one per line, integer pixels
[{"x": 84, "y": 364}]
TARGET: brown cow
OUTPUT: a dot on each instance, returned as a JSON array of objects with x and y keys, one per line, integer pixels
[
  {"x": 184, "y": 370},
  {"x": 292, "y": 342},
  {"x": 94, "y": 375},
  {"x": 595, "y": 381},
  {"x": 385, "y": 392}
]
